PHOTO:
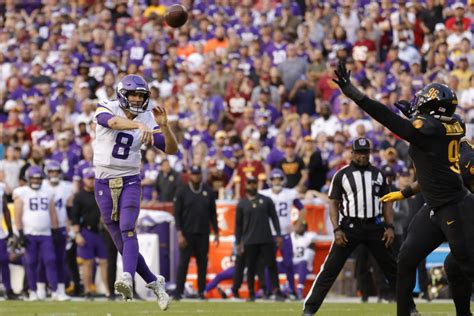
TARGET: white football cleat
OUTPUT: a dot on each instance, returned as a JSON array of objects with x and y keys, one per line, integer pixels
[
  {"x": 41, "y": 291},
  {"x": 158, "y": 288},
  {"x": 124, "y": 286},
  {"x": 33, "y": 297},
  {"x": 60, "y": 297}
]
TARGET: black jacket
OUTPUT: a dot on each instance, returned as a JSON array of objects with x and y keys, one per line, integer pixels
[
  {"x": 252, "y": 220},
  {"x": 193, "y": 212}
]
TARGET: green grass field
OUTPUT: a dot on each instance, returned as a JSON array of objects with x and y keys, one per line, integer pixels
[{"x": 105, "y": 308}]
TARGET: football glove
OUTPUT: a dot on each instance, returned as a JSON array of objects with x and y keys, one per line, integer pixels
[
  {"x": 392, "y": 197},
  {"x": 405, "y": 107},
  {"x": 343, "y": 80}
]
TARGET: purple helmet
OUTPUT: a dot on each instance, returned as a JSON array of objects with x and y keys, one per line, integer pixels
[
  {"x": 277, "y": 173},
  {"x": 133, "y": 84},
  {"x": 52, "y": 165},
  {"x": 34, "y": 172}
]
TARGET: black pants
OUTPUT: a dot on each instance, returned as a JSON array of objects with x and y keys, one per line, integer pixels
[
  {"x": 238, "y": 277},
  {"x": 198, "y": 246},
  {"x": 428, "y": 229},
  {"x": 357, "y": 232},
  {"x": 367, "y": 271},
  {"x": 111, "y": 259},
  {"x": 253, "y": 253},
  {"x": 73, "y": 269}
]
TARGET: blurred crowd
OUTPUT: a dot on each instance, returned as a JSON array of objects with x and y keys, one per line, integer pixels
[{"x": 247, "y": 84}]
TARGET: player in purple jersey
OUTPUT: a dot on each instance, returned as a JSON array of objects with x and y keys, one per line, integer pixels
[{"x": 123, "y": 126}]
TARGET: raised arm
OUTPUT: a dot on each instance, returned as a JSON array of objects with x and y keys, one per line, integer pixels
[{"x": 377, "y": 110}]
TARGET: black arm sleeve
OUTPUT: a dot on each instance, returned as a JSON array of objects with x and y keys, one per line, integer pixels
[
  {"x": 238, "y": 223},
  {"x": 213, "y": 210},
  {"x": 392, "y": 121},
  {"x": 273, "y": 215},
  {"x": 178, "y": 209},
  {"x": 76, "y": 210}
]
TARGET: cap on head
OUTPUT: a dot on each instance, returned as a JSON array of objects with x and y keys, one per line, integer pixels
[
  {"x": 361, "y": 144},
  {"x": 195, "y": 169},
  {"x": 88, "y": 173},
  {"x": 251, "y": 179}
]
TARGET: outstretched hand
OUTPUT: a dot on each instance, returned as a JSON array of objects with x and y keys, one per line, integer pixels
[
  {"x": 343, "y": 77},
  {"x": 405, "y": 107},
  {"x": 343, "y": 80}
]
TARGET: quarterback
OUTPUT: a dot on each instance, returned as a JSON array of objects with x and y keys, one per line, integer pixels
[{"x": 123, "y": 126}]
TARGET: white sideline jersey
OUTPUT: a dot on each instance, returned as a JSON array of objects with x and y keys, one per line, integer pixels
[
  {"x": 62, "y": 193},
  {"x": 117, "y": 153},
  {"x": 36, "y": 220},
  {"x": 3, "y": 233},
  {"x": 283, "y": 204},
  {"x": 301, "y": 250}
]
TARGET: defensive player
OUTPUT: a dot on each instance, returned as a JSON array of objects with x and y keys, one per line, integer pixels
[
  {"x": 5, "y": 237},
  {"x": 37, "y": 223},
  {"x": 434, "y": 135},
  {"x": 62, "y": 198},
  {"x": 123, "y": 126},
  {"x": 466, "y": 160},
  {"x": 284, "y": 199}
]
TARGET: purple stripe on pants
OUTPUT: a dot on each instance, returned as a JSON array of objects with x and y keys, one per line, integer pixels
[
  {"x": 123, "y": 232},
  {"x": 4, "y": 264},
  {"x": 60, "y": 252},
  {"x": 40, "y": 248},
  {"x": 286, "y": 265},
  {"x": 224, "y": 275},
  {"x": 94, "y": 247}
]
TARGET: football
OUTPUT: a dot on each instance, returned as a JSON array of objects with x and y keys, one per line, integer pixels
[{"x": 176, "y": 15}]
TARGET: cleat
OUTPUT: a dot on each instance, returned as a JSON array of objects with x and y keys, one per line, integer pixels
[
  {"x": 222, "y": 293},
  {"x": 158, "y": 288},
  {"x": 41, "y": 291},
  {"x": 124, "y": 287},
  {"x": 11, "y": 296},
  {"x": 60, "y": 297},
  {"x": 33, "y": 297}
]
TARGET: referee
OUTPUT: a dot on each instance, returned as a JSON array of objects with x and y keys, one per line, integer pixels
[
  {"x": 194, "y": 213},
  {"x": 354, "y": 193}
]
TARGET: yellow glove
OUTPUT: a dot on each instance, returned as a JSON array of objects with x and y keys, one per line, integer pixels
[{"x": 392, "y": 197}]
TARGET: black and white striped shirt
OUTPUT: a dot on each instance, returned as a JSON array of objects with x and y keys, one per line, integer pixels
[{"x": 359, "y": 190}]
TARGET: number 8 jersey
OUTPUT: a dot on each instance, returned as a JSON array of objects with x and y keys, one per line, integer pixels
[
  {"x": 117, "y": 153},
  {"x": 35, "y": 218}
]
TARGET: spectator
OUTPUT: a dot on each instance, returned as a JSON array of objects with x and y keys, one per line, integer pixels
[
  {"x": 292, "y": 69},
  {"x": 10, "y": 169},
  {"x": 293, "y": 167}
]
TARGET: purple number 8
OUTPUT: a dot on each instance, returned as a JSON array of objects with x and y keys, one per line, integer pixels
[{"x": 121, "y": 149}]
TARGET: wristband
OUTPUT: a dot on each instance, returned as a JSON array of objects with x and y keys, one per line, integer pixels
[
  {"x": 407, "y": 192},
  {"x": 338, "y": 228},
  {"x": 389, "y": 226}
]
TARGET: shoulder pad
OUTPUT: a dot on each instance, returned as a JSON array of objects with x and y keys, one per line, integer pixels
[{"x": 427, "y": 125}]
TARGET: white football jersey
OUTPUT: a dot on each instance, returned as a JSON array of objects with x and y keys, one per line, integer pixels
[
  {"x": 117, "y": 153},
  {"x": 3, "y": 233},
  {"x": 36, "y": 220},
  {"x": 301, "y": 250},
  {"x": 283, "y": 204},
  {"x": 62, "y": 193}
]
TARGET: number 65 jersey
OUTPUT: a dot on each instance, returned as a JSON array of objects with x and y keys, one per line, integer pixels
[
  {"x": 35, "y": 218},
  {"x": 117, "y": 153}
]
